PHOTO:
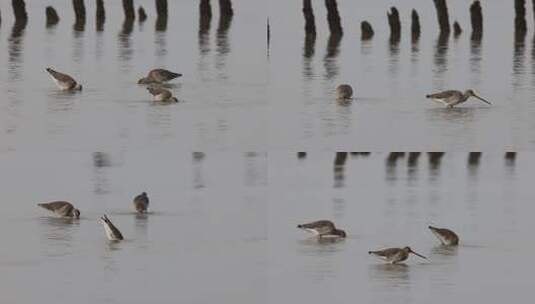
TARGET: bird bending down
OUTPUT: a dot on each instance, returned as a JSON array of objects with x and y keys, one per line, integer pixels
[
  {"x": 452, "y": 98},
  {"x": 344, "y": 91},
  {"x": 61, "y": 208},
  {"x": 64, "y": 81},
  {"x": 446, "y": 236},
  {"x": 141, "y": 202},
  {"x": 159, "y": 76},
  {"x": 161, "y": 94},
  {"x": 395, "y": 255},
  {"x": 323, "y": 228},
  {"x": 112, "y": 232}
]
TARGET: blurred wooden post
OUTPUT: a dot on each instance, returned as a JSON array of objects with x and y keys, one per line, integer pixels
[
  {"x": 101, "y": 15},
  {"x": 129, "y": 11},
  {"x": 476, "y": 18},
  {"x": 225, "y": 7},
  {"x": 333, "y": 18},
  {"x": 457, "y": 30},
  {"x": 79, "y": 12},
  {"x": 395, "y": 24},
  {"x": 520, "y": 19},
  {"x": 443, "y": 18},
  {"x": 52, "y": 17},
  {"x": 205, "y": 16},
  {"x": 161, "y": 20},
  {"x": 473, "y": 158},
  {"x": 366, "y": 30},
  {"x": 310, "y": 23},
  {"x": 415, "y": 26},
  {"x": 142, "y": 16},
  {"x": 19, "y": 10}
]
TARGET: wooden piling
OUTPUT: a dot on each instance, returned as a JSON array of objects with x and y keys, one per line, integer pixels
[
  {"x": 333, "y": 17},
  {"x": 225, "y": 7},
  {"x": 19, "y": 10},
  {"x": 340, "y": 160},
  {"x": 142, "y": 16},
  {"x": 79, "y": 12},
  {"x": 510, "y": 158},
  {"x": 395, "y": 25},
  {"x": 415, "y": 26},
  {"x": 413, "y": 159},
  {"x": 442, "y": 14},
  {"x": 520, "y": 19},
  {"x": 101, "y": 16},
  {"x": 435, "y": 159},
  {"x": 205, "y": 16},
  {"x": 473, "y": 158},
  {"x": 129, "y": 11},
  {"x": 52, "y": 17},
  {"x": 161, "y": 20},
  {"x": 366, "y": 30},
  {"x": 476, "y": 18},
  {"x": 308, "y": 13},
  {"x": 457, "y": 30},
  {"x": 301, "y": 155}
]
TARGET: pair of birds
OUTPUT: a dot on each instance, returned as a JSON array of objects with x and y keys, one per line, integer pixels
[
  {"x": 66, "y": 209},
  {"x": 327, "y": 229},
  {"x": 449, "y": 98},
  {"x": 154, "y": 79}
]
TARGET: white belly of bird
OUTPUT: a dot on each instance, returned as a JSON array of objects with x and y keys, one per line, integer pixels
[
  {"x": 109, "y": 233},
  {"x": 442, "y": 239},
  {"x": 61, "y": 85},
  {"x": 313, "y": 231},
  {"x": 160, "y": 97}
]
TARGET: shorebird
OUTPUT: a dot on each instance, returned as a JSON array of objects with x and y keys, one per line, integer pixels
[
  {"x": 344, "y": 91},
  {"x": 323, "y": 228},
  {"x": 158, "y": 76},
  {"x": 452, "y": 98},
  {"x": 141, "y": 202},
  {"x": 112, "y": 232},
  {"x": 61, "y": 208},
  {"x": 395, "y": 255},
  {"x": 64, "y": 81},
  {"x": 446, "y": 236},
  {"x": 161, "y": 94}
]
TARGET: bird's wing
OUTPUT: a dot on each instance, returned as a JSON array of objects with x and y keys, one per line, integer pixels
[
  {"x": 322, "y": 226},
  {"x": 52, "y": 206},
  {"x": 385, "y": 252},
  {"x": 60, "y": 76},
  {"x": 444, "y": 94}
]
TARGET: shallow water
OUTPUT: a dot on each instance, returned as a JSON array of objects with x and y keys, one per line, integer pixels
[
  {"x": 390, "y": 111},
  {"x": 222, "y": 227}
]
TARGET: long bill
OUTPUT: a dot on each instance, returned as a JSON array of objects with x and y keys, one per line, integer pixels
[
  {"x": 482, "y": 99},
  {"x": 419, "y": 255}
]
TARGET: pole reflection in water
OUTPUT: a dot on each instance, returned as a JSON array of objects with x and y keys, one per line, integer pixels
[
  {"x": 198, "y": 177},
  {"x": 255, "y": 169},
  {"x": 222, "y": 42},
  {"x": 101, "y": 184},
  {"x": 339, "y": 169}
]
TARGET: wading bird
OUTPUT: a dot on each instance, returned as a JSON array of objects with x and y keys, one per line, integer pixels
[
  {"x": 323, "y": 228},
  {"x": 395, "y": 255},
  {"x": 452, "y": 98}
]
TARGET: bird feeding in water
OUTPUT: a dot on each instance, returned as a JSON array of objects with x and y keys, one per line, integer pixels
[
  {"x": 344, "y": 91},
  {"x": 61, "y": 208},
  {"x": 446, "y": 236},
  {"x": 64, "y": 81},
  {"x": 141, "y": 202},
  {"x": 395, "y": 255},
  {"x": 323, "y": 228},
  {"x": 112, "y": 232},
  {"x": 161, "y": 95},
  {"x": 159, "y": 76},
  {"x": 452, "y": 98}
]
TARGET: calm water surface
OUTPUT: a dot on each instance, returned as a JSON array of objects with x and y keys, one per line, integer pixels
[{"x": 391, "y": 80}]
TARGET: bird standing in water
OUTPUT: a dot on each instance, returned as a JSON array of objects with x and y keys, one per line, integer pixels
[
  {"x": 61, "y": 208},
  {"x": 323, "y": 228},
  {"x": 395, "y": 255},
  {"x": 452, "y": 98},
  {"x": 446, "y": 236},
  {"x": 344, "y": 91},
  {"x": 141, "y": 202}
]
